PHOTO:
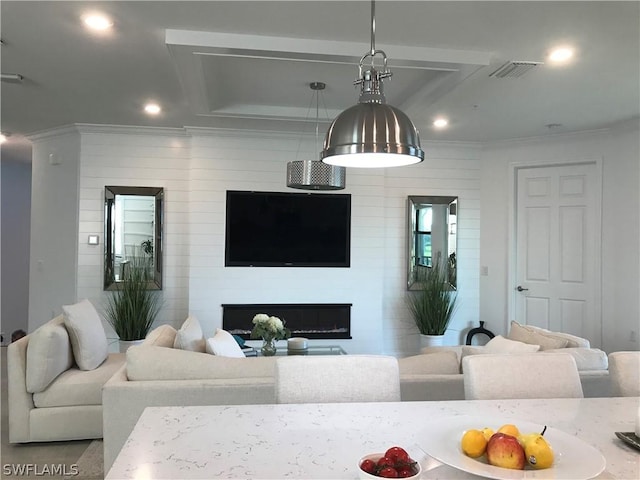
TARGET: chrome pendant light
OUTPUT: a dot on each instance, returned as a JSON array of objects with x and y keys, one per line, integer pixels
[
  {"x": 372, "y": 134},
  {"x": 313, "y": 174}
]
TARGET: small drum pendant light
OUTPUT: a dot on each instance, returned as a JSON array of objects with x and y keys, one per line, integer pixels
[{"x": 313, "y": 174}]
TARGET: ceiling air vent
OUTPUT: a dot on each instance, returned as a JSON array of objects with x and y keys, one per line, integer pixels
[{"x": 514, "y": 69}]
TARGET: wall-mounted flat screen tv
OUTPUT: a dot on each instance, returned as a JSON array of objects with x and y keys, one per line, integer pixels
[{"x": 274, "y": 229}]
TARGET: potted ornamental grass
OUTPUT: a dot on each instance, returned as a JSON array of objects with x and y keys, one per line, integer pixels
[
  {"x": 433, "y": 303},
  {"x": 132, "y": 308}
]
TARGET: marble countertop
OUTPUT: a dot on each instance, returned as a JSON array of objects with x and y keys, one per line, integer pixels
[{"x": 325, "y": 441}]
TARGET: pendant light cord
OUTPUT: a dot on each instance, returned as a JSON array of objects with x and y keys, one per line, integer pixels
[
  {"x": 316, "y": 87},
  {"x": 373, "y": 29},
  {"x": 317, "y": 92},
  {"x": 305, "y": 129}
]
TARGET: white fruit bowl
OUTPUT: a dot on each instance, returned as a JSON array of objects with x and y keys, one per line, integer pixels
[{"x": 375, "y": 457}]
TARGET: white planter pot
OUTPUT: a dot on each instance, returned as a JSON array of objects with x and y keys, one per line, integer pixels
[
  {"x": 431, "y": 340},
  {"x": 125, "y": 344}
]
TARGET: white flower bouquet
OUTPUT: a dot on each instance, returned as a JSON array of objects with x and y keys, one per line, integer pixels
[{"x": 269, "y": 328}]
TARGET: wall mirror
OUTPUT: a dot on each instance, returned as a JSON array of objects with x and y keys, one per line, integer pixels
[
  {"x": 133, "y": 234},
  {"x": 432, "y": 234}
]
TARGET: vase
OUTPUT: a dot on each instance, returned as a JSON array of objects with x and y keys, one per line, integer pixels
[
  {"x": 431, "y": 340},
  {"x": 125, "y": 344},
  {"x": 268, "y": 347}
]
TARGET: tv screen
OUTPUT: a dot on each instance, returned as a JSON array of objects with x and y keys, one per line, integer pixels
[{"x": 271, "y": 229}]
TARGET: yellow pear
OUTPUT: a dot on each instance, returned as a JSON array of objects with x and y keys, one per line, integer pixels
[
  {"x": 526, "y": 438},
  {"x": 538, "y": 452}
]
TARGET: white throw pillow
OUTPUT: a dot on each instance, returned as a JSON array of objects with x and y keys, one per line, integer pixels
[
  {"x": 162, "y": 336},
  {"x": 525, "y": 334},
  {"x": 572, "y": 340},
  {"x": 88, "y": 340},
  {"x": 48, "y": 354},
  {"x": 499, "y": 344},
  {"x": 190, "y": 336},
  {"x": 224, "y": 345}
]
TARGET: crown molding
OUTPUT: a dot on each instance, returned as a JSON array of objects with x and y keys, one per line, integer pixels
[
  {"x": 51, "y": 132},
  {"x": 129, "y": 129}
]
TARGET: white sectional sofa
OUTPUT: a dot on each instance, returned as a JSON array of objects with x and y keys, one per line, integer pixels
[
  {"x": 64, "y": 386},
  {"x": 592, "y": 363},
  {"x": 54, "y": 390}
]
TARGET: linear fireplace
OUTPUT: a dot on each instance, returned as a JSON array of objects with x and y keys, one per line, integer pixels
[{"x": 310, "y": 320}]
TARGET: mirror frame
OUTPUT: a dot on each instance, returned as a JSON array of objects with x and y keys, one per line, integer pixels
[
  {"x": 110, "y": 193},
  {"x": 413, "y": 204}
]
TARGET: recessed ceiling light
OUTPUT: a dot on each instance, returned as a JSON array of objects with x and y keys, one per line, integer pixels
[
  {"x": 152, "y": 108},
  {"x": 97, "y": 21},
  {"x": 3, "y": 138},
  {"x": 440, "y": 122},
  {"x": 561, "y": 54}
]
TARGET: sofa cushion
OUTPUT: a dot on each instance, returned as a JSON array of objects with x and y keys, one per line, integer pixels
[
  {"x": 48, "y": 354},
  {"x": 471, "y": 350},
  {"x": 429, "y": 363},
  {"x": 586, "y": 358},
  {"x": 572, "y": 340},
  {"x": 499, "y": 344},
  {"x": 457, "y": 349},
  {"x": 190, "y": 336},
  {"x": 162, "y": 336},
  {"x": 546, "y": 340},
  {"x": 88, "y": 340},
  {"x": 79, "y": 387},
  {"x": 224, "y": 345},
  {"x": 468, "y": 350},
  {"x": 159, "y": 363}
]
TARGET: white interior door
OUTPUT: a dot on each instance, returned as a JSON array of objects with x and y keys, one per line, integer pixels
[{"x": 557, "y": 248}]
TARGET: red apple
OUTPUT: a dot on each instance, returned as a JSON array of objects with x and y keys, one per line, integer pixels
[{"x": 505, "y": 451}]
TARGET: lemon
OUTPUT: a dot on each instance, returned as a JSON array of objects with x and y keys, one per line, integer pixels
[
  {"x": 509, "y": 429},
  {"x": 473, "y": 443},
  {"x": 487, "y": 432}
]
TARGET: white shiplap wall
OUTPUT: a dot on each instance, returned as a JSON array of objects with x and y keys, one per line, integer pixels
[
  {"x": 197, "y": 166},
  {"x": 135, "y": 157},
  {"x": 450, "y": 169},
  {"x": 224, "y": 161},
  {"x": 375, "y": 283}
]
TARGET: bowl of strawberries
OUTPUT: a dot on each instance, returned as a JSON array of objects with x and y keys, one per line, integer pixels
[{"x": 394, "y": 463}]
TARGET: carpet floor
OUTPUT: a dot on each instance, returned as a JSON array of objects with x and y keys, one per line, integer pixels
[{"x": 90, "y": 463}]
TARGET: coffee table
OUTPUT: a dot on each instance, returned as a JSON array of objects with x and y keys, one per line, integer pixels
[{"x": 311, "y": 350}]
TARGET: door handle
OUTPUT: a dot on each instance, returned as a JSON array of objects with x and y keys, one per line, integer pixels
[{"x": 520, "y": 289}]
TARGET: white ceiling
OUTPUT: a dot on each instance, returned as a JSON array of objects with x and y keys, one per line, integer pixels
[{"x": 249, "y": 64}]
